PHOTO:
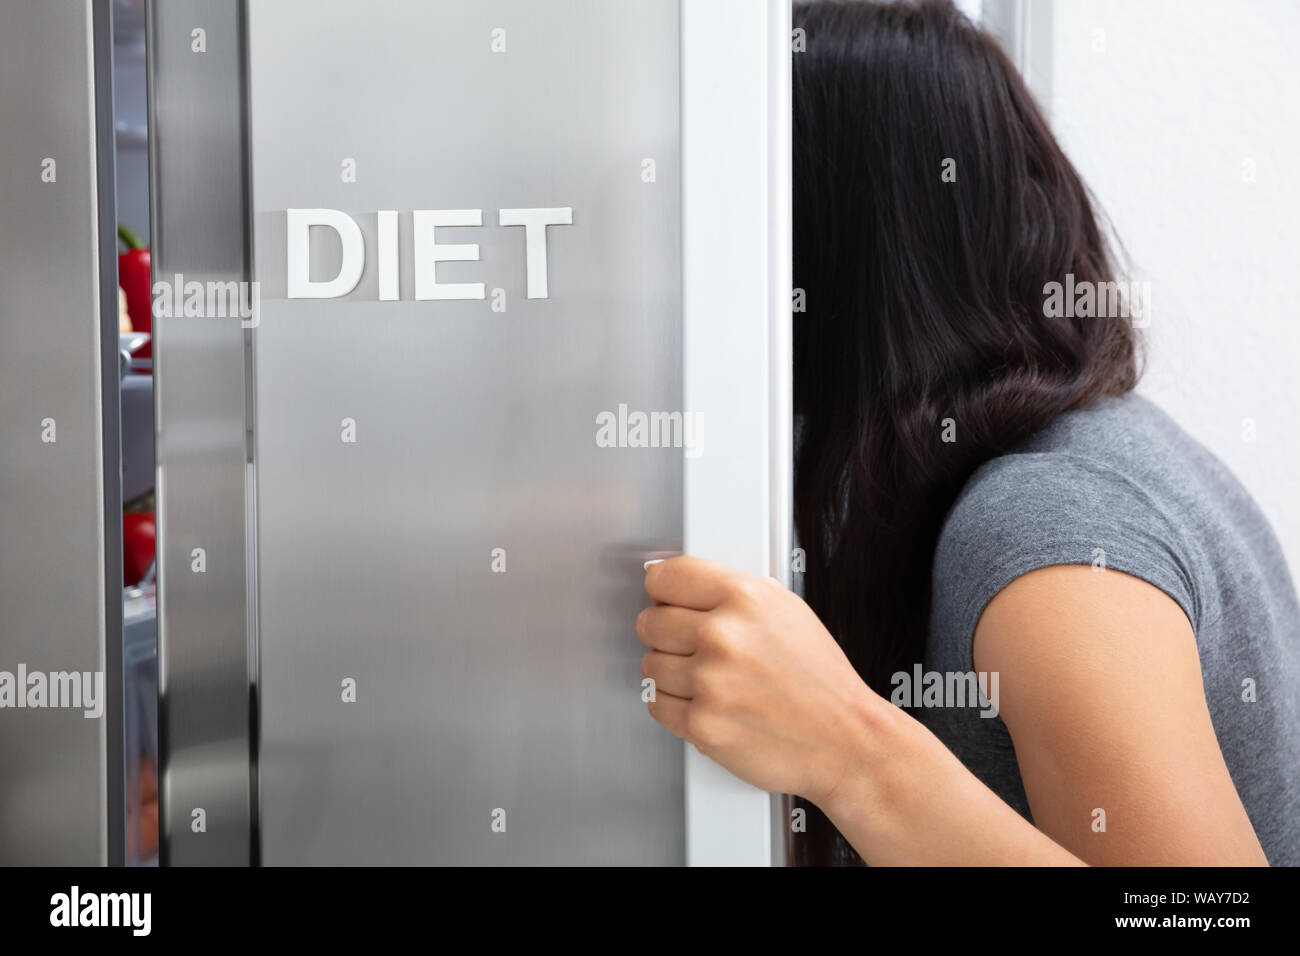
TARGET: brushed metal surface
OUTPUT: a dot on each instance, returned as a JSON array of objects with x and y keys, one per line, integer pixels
[
  {"x": 198, "y": 194},
  {"x": 476, "y": 691},
  {"x": 55, "y": 612}
]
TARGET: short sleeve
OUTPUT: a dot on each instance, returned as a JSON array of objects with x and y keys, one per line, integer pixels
[{"x": 1023, "y": 512}]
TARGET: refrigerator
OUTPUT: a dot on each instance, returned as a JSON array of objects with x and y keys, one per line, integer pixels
[{"x": 460, "y": 314}]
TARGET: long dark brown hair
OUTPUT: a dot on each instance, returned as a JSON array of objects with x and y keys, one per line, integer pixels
[{"x": 931, "y": 207}]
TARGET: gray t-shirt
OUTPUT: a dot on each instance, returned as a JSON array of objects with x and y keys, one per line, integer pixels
[{"x": 1121, "y": 483}]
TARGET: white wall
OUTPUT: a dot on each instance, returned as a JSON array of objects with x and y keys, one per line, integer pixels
[{"x": 1183, "y": 119}]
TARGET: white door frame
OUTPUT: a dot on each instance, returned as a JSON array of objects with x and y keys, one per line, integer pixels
[{"x": 736, "y": 296}]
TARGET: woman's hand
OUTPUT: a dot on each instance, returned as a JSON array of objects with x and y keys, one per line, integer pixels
[{"x": 744, "y": 670}]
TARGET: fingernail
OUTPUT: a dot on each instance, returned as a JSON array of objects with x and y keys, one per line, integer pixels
[{"x": 646, "y": 566}]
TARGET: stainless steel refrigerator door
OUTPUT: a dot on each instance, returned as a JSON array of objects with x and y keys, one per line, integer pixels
[
  {"x": 449, "y": 562},
  {"x": 446, "y": 509},
  {"x": 60, "y": 490},
  {"x": 199, "y": 230}
]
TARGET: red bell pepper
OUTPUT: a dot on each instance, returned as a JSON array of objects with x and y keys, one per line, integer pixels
[
  {"x": 133, "y": 277},
  {"x": 138, "y": 544}
]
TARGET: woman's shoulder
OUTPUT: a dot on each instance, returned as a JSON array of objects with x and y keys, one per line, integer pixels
[
  {"x": 1113, "y": 463},
  {"x": 1098, "y": 487}
]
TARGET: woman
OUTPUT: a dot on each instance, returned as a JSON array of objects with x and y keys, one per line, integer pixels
[{"x": 981, "y": 496}]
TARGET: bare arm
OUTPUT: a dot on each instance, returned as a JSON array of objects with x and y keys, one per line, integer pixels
[
  {"x": 1100, "y": 688},
  {"x": 1102, "y": 693}
]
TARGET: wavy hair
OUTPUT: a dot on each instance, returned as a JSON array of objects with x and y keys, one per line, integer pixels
[{"x": 932, "y": 206}]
